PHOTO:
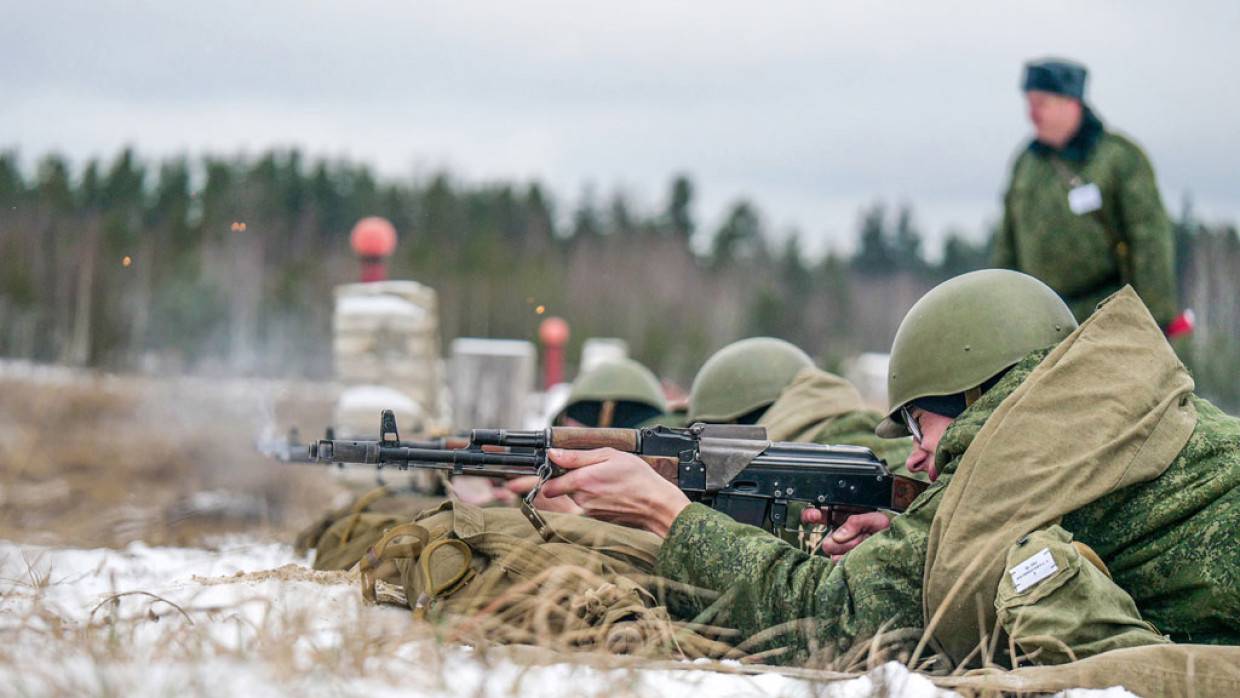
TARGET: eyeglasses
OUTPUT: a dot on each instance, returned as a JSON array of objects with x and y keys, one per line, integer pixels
[{"x": 911, "y": 423}]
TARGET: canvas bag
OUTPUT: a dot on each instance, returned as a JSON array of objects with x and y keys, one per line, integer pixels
[
  {"x": 1107, "y": 408},
  {"x": 592, "y": 581},
  {"x": 342, "y": 536}
]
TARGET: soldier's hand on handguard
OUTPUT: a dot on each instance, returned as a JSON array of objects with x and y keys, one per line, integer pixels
[
  {"x": 562, "y": 504},
  {"x": 849, "y": 534},
  {"x": 615, "y": 486}
]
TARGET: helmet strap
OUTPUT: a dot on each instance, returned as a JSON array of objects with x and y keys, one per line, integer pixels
[
  {"x": 606, "y": 413},
  {"x": 972, "y": 395}
]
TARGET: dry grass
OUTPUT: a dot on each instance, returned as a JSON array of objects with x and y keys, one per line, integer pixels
[
  {"x": 103, "y": 461},
  {"x": 128, "y": 634}
]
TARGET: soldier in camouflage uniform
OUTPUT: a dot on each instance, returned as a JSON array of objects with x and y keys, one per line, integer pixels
[
  {"x": 1159, "y": 555},
  {"x": 772, "y": 383},
  {"x": 618, "y": 393},
  {"x": 1082, "y": 212}
]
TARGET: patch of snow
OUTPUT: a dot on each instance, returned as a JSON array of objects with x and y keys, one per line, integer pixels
[
  {"x": 598, "y": 350},
  {"x": 492, "y": 347},
  {"x": 378, "y": 305},
  {"x": 376, "y": 398},
  {"x": 249, "y": 618}
]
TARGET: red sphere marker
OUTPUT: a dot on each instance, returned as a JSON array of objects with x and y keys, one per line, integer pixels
[
  {"x": 373, "y": 239},
  {"x": 553, "y": 333}
]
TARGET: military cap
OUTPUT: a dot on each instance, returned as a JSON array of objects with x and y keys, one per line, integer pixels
[{"x": 1056, "y": 75}]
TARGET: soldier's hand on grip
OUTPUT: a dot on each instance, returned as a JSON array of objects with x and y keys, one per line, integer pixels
[
  {"x": 615, "y": 486},
  {"x": 849, "y": 534}
]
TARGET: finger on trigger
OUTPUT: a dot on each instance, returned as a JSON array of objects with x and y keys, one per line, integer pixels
[
  {"x": 844, "y": 533},
  {"x": 564, "y": 484}
]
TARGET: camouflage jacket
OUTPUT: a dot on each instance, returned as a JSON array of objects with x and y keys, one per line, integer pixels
[
  {"x": 1075, "y": 254},
  {"x": 1169, "y": 543}
]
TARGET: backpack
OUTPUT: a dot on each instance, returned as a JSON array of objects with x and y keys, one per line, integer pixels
[{"x": 491, "y": 577}]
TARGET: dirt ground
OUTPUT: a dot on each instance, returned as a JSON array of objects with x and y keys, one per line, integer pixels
[{"x": 96, "y": 460}]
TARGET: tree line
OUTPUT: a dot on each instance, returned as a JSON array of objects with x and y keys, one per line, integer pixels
[{"x": 227, "y": 264}]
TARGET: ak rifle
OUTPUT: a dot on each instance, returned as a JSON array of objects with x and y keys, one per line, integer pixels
[
  {"x": 733, "y": 469},
  {"x": 291, "y": 449}
]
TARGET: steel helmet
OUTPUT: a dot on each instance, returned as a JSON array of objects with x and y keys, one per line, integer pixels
[
  {"x": 965, "y": 331},
  {"x": 632, "y": 389},
  {"x": 743, "y": 377}
]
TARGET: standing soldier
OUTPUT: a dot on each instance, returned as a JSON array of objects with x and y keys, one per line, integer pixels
[{"x": 1082, "y": 212}]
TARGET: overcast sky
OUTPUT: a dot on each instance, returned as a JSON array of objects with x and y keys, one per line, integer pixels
[{"x": 811, "y": 109}]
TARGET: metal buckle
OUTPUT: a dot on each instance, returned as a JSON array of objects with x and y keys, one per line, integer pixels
[{"x": 527, "y": 503}]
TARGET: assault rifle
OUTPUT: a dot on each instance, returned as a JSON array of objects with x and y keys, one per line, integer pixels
[
  {"x": 291, "y": 449},
  {"x": 734, "y": 469}
]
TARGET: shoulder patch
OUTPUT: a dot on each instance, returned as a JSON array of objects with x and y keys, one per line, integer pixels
[{"x": 1033, "y": 570}]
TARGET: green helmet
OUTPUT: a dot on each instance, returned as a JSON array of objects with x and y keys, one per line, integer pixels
[
  {"x": 632, "y": 390},
  {"x": 743, "y": 377},
  {"x": 965, "y": 331}
]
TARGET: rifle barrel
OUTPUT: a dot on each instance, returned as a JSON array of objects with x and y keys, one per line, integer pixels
[{"x": 459, "y": 461}]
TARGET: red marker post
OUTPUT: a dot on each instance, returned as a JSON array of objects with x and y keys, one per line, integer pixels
[
  {"x": 553, "y": 334},
  {"x": 373, "y": 240}
]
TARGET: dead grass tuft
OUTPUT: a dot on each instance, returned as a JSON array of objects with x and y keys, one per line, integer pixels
[{"x": 106, "y": 460}]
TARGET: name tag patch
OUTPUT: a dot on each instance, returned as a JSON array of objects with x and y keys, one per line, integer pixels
[
  {"x": 1033, "y": 570},
  {"x": 1086, "y": 198}
]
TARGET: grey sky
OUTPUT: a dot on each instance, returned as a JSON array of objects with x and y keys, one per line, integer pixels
[{"x": 812, "y": 109}]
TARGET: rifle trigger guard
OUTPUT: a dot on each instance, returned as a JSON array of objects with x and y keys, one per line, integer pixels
[{"x": 779, "y": 512}]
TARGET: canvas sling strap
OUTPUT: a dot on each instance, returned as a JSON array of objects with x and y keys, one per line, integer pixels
[
  {"x": 808, "y": 404},
  {"x": 1168, "y": 671},
  {"x": 1107, "y": 408}
]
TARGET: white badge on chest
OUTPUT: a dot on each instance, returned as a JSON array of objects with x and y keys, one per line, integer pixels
[{"x": 1086, "y": 198}]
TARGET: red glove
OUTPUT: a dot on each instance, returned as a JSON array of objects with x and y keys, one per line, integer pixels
[{"x": 1182, "y": 325}]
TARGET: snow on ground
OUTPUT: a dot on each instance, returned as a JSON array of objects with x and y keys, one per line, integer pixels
[{"x": 250, "y": 619}]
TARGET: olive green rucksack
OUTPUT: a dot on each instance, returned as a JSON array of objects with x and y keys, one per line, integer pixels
[
  {"x": 341, "y": 536},
  {"x": 491, "y": 576}
]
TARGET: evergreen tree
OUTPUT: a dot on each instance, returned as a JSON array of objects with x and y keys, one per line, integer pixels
[
  {"x": 906, "y": 242},
  {"x": 679, "y": 214},
  {"x": 740, "y": 237},
  {"x": 874, "y": 252},
  {"x": 586, "y": 220},
  {"x": 961, "y": 256},
  {"x": 620, "y": 218}
]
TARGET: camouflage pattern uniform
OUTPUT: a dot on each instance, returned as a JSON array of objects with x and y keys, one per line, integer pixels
[
  {"x": 1075, "y": 254},
  {"x": 1169, "y": 543}
]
